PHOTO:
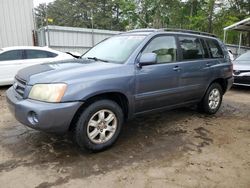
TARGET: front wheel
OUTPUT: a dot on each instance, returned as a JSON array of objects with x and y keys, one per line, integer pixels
[
  {"x": 99, "y": 125},
  {"x": 211, "y": 102}
]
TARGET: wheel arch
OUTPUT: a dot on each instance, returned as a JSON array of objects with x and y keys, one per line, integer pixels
[
  {"x": 118, "y": 97},
  {"x": 222, "y": 82}
]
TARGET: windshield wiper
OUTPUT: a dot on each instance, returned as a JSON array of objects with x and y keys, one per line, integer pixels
[{"x": 97, "y": 59}]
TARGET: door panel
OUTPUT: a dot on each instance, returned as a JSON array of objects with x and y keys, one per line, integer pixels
[
  {"x": 157, "y": 85},
  {"x": 8, "y": 69},
  {"x": 195, "y": 68},
  {"x": 194, "y": 77},
  {"x": 10, "y": 63}
]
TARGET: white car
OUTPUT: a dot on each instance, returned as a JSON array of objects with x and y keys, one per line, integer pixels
[{"x": 12, "y": 59}]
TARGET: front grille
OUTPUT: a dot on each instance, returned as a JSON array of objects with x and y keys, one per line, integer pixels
[
  {"x": 242, "y": 79},
  {"x": 238, "y": 72},
  {"x": 19, "y": 86}
]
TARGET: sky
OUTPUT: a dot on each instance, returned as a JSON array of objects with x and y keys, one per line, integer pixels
[{"x": 37, "y": 2}]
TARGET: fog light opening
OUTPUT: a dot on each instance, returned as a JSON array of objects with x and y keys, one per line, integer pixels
[{"x": 33, "y": 118}]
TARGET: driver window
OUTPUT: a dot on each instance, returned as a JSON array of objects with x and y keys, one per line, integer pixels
[{"x": 164, "y": 47}]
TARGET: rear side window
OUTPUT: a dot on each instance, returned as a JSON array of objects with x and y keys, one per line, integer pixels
[
  {"x": 191, "y": 48},
  {"x": 215, "y": 49},
  {"x": 35, "y": 54},
  {"x": 164, "y": 47},
  {"x": 11, "y": 55}
]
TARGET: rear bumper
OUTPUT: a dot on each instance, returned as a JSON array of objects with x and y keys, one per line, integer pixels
[
  {"x": 230, "y": 82},
  {"x": 51, "y": 117}
]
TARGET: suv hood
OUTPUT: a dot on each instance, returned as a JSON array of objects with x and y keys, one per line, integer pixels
[
  {"x": 241, "y": 66},
  {"x": 64, "y": 71}
]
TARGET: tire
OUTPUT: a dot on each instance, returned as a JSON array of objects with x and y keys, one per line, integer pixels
[
  {"x": 211, "y": 102},
  {"x": 94, "y": 130}
]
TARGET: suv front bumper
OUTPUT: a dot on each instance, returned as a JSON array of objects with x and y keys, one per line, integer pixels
[{"x": 48, "y": 117}]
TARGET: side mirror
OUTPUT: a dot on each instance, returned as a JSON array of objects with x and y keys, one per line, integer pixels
[{"x": 147, "y": 59}]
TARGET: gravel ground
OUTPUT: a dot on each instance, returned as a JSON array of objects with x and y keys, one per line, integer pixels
[{"x": 179, "y": 148}]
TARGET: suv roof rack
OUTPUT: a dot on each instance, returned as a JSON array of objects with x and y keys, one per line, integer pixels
[
  {"x": 173, "y": 30},
  {"x": 143, "y": 30},
  {"x": 188, "y": 31}
]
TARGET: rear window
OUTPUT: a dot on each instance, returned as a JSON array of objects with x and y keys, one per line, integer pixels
[
  {"x": 35, "y": 54},
  {"x": 191, "y": 48},
  {"x": 215, "y": 49},
  {"x": 11, "y": 55}
]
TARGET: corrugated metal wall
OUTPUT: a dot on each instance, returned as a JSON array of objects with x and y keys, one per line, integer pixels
[
  {"x": 71, "y": 39},
  {"x": 235, "y": 49},
  {"x": 16, "y": 23}
]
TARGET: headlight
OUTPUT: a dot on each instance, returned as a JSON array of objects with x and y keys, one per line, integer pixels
[{"x": 48, "y": 92}]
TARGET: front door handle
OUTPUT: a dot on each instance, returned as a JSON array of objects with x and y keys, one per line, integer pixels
[{"x": 176, "y": 68}]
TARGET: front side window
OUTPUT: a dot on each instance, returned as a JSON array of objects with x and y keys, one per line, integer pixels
[
  {"x": 116, "y": 49},
  {"x": 215, "y": 49},
  {"x": 35, "y": 54},
  {"x": 191, "y": 48},
  {"x": 164, "y": 47},
  {"x": 11, "y": 55}
]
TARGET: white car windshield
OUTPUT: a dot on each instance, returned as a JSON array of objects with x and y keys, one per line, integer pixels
[{"x": 115, "y": 49}]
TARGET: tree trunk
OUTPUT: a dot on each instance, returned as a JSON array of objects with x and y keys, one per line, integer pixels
[{"x": 210, "y": 16}]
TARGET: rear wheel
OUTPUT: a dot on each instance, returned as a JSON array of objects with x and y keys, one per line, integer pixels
[
  {"x": 211, "y": 102},
  {"x": 99, "y": 125}
]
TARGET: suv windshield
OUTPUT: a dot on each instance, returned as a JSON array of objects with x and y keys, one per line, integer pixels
[{"x": 116, "y": 49}]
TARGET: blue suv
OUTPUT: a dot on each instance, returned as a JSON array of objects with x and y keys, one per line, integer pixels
[{"x": 130, "y": 74}]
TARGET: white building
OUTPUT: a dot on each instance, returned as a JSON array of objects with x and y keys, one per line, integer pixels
[{"x": 16, "y": 23}]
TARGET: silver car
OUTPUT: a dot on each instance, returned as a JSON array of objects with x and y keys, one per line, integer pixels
[{"x": 241, "y": 71}]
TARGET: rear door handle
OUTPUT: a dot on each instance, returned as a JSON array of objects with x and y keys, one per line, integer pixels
[
  {"x": 177, "y": 68},
  {"x": 208, "y": 64}
]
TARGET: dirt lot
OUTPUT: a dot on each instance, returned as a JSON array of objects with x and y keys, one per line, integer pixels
[{"x": 180, "y": 148}]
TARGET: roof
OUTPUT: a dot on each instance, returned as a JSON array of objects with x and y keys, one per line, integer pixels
[
  {"x": 25, "y": 47},
  {"x": 243, "y": 25},
  {"x": 30, "y": 48}
]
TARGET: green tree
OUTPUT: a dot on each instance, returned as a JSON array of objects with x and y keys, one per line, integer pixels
[{"x": 203, "y": 15}]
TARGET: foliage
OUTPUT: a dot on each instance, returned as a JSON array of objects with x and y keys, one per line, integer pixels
[{"x": 203, "y": 15}]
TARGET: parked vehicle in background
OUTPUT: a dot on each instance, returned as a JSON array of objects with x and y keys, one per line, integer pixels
[
  {"x": 12, "y": 59},
  {"x": 122, "y": 77},
  {"x": 241, "y": 71}
]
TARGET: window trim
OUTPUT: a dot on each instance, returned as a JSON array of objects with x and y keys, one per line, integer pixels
[{"x": 161, "y": 35}]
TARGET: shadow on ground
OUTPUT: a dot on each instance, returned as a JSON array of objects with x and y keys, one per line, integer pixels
[{"x": 142, "y": 140}]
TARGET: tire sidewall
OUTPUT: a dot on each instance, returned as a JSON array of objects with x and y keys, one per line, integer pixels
[
  {"x": 206, "y": 106},
  {"x": 81, "y": 136}
]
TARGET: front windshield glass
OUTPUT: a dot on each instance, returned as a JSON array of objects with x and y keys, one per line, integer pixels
[
  {"x": 116, "y": 49},
  {"x": 244, "y": 57}
]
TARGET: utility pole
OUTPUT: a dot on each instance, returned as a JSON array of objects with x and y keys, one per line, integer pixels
[{"x": 46, "y": 17}]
